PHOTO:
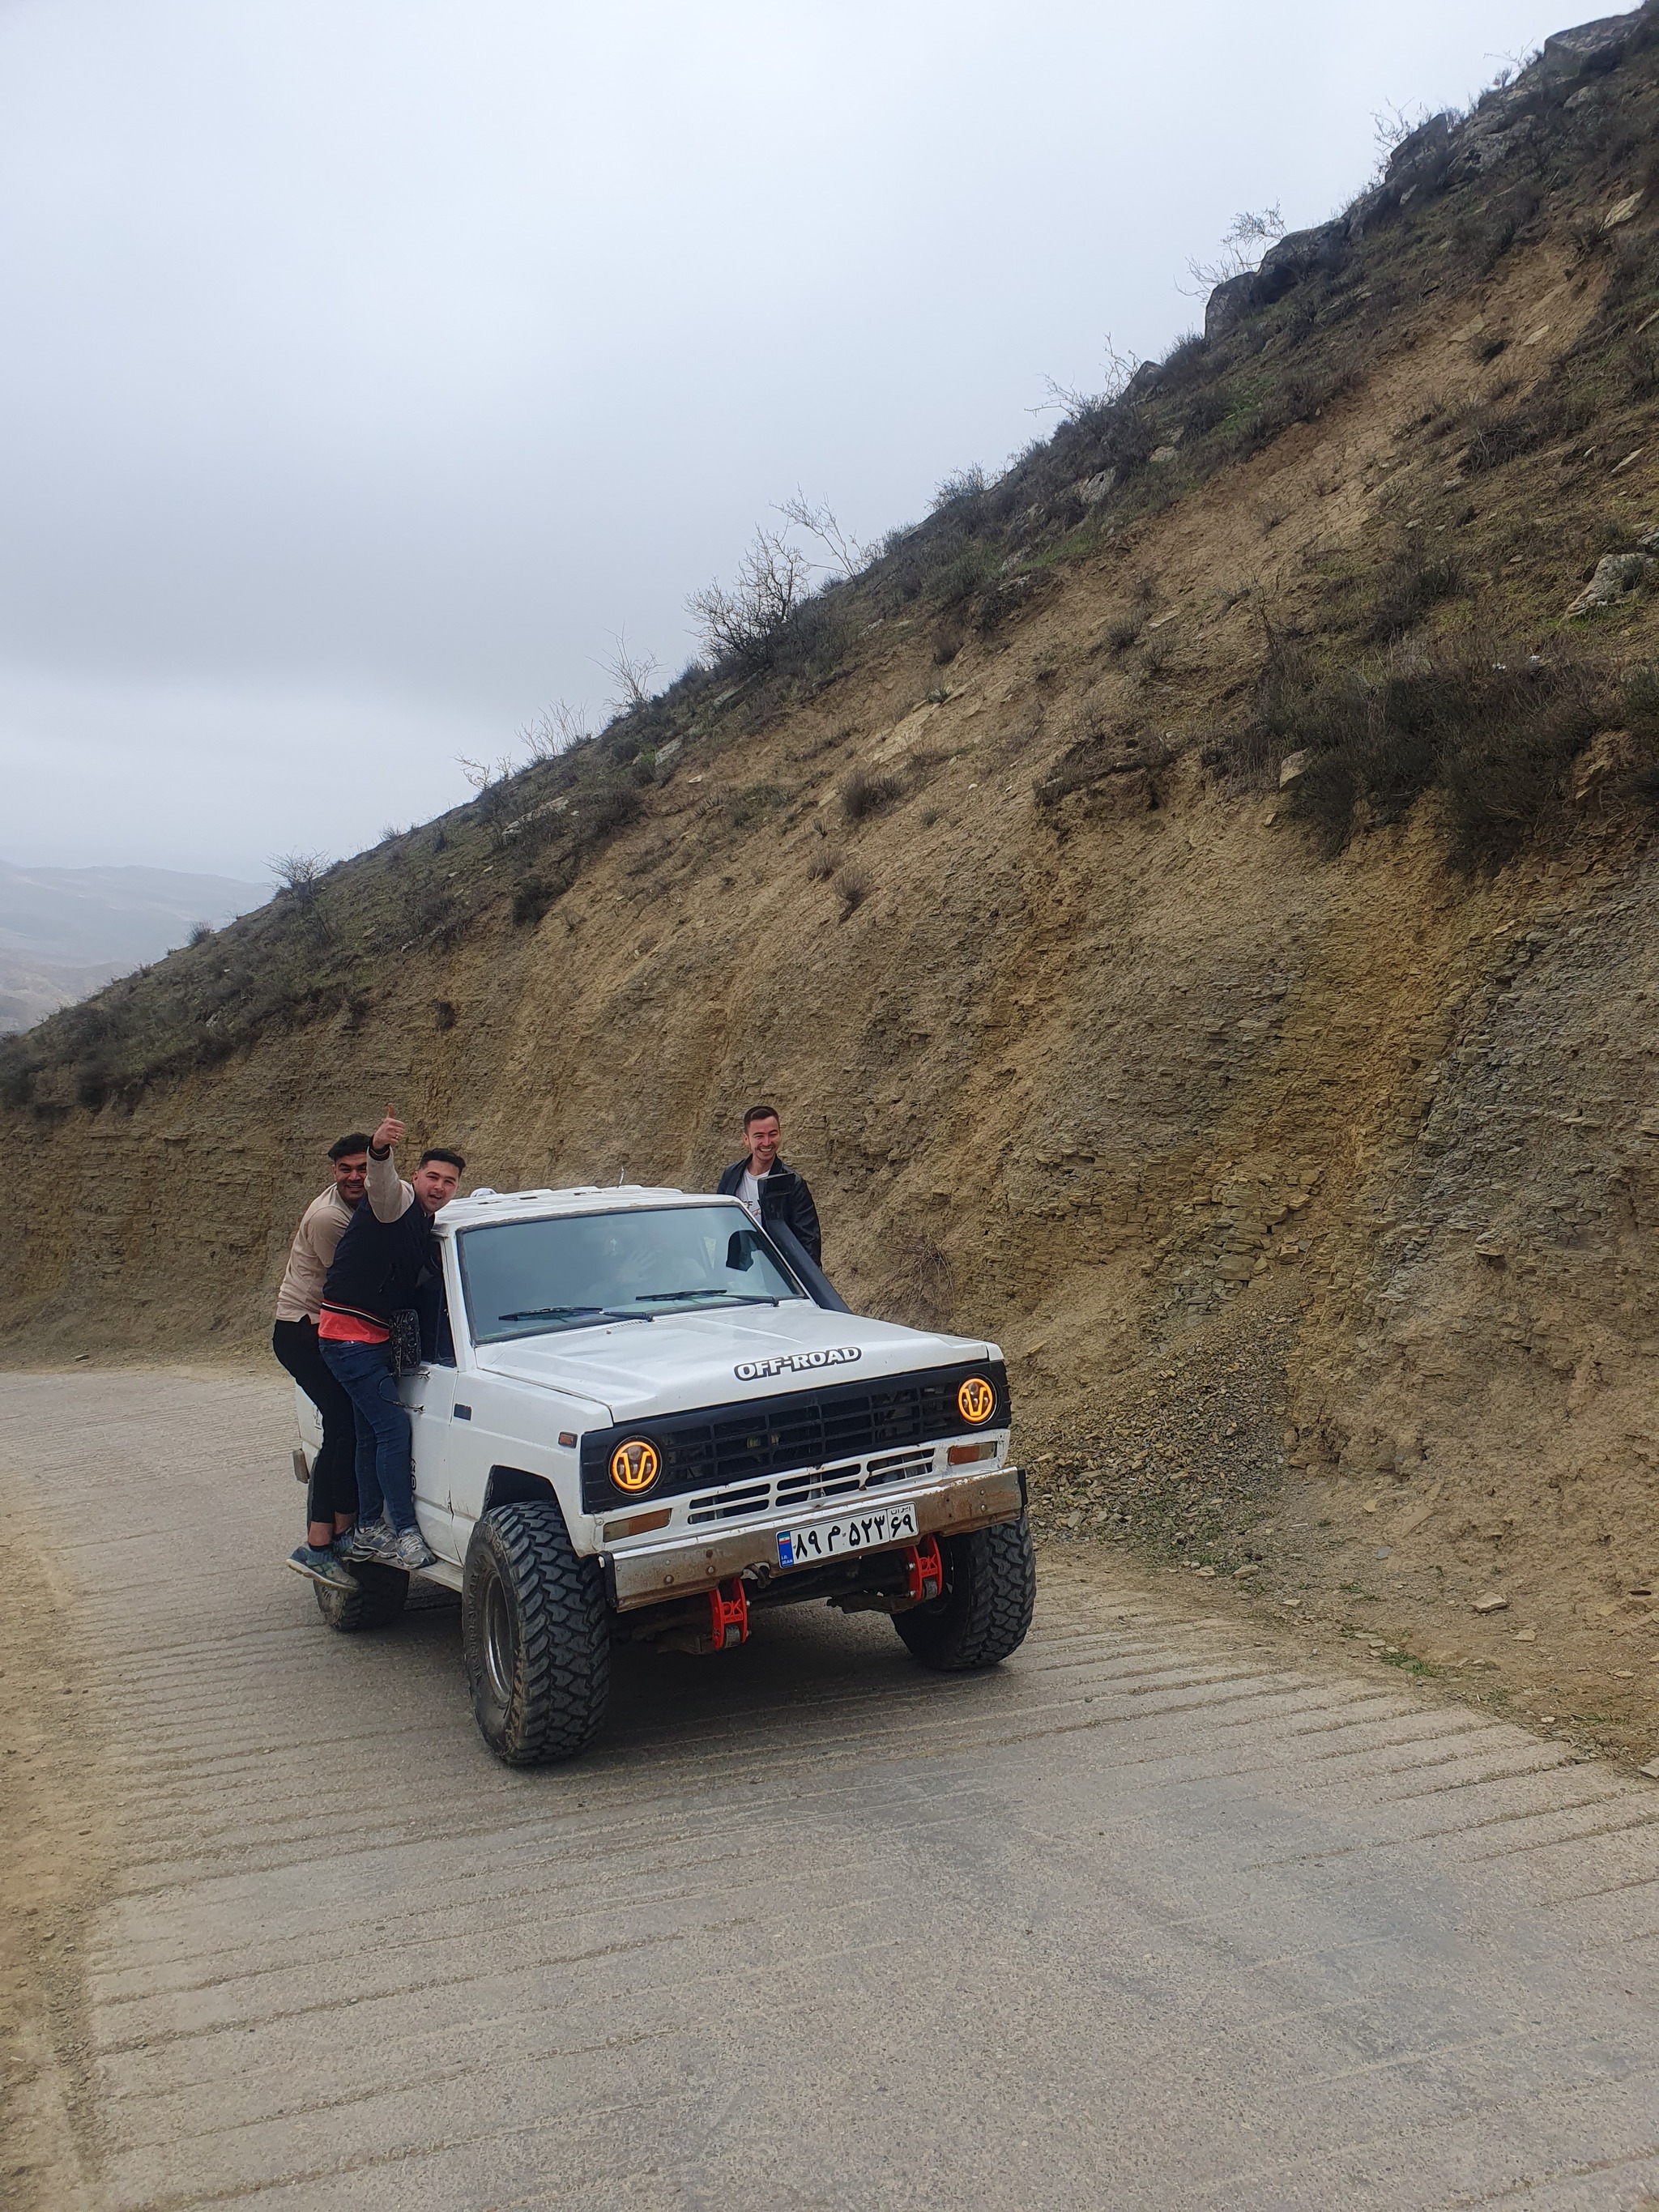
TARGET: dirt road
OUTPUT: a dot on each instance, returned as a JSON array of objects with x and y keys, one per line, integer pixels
[{"x": 1154, "y": 1916}]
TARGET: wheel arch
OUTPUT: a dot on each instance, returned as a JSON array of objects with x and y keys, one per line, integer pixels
[{"x": 516, "y": 1486}]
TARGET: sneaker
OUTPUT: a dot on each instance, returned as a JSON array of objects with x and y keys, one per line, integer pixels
[
  {"x": 368, "y": 1541},
  {"x": 408, "y": 1550},
  {"x": 322, "y": 1567}
]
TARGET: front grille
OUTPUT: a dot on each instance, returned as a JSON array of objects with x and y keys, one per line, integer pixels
[
  {"x": 819, "y": 1485},
  {"x": 851, "y": 1428},
  {"x": 730, "y": 1505}
]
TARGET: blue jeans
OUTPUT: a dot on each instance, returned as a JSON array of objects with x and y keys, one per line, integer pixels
[{"x": 385, "y": 1450}]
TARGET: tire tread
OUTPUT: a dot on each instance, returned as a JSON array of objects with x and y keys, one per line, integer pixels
[
  {"x": 562, "y": 1679},
  {"x": 985, "y": 1612}
]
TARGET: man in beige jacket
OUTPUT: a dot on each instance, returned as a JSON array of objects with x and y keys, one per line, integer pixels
[{"x": 331, "y": 1501}]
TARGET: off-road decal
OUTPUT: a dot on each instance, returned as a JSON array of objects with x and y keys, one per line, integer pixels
[{"x": 796, "y": 1363}]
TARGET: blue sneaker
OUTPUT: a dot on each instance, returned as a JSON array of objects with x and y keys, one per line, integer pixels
[
  {"x": 322, "y": 1567},
  {"x": 366, "y": 1542},
  {"x": 409, "y": 1550}
]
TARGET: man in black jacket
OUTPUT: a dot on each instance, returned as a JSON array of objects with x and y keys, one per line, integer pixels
[
  {"x": 387, "y": 1251},
  {"x": 771, "y": 1191}
]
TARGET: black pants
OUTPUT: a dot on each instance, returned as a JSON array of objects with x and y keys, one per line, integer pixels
[{"x": 334, "y": 1471}]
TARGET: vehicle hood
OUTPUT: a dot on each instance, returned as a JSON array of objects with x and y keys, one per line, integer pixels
[{"x": 677, "y": 1363}]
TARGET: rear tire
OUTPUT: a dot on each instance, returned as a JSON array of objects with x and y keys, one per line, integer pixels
[
  {"x": 990, "y": 1590},
  {"x": 379, "y": 1598},
  {"x": 536, "y": 1634}
]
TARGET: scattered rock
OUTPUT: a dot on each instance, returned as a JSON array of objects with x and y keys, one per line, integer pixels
[
  {"x": 1651, "y": 1769},
  {"x": 1491, "y": 1603},
  {"x": 1291, "y": 767},
  {"x": 1250, "y": 1567},
  {"x": 1621, "y": 212},
  {"x": 1615, "y": 575},
  {"x": 1526, "y": 1635},
  {"x": 1163, "y": 455}
]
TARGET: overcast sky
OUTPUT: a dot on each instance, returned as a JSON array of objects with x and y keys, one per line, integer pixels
[{"x": 364, "y": 365}]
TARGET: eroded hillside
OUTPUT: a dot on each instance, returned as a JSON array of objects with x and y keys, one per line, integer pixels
[{"x": 1193, "y": 900}]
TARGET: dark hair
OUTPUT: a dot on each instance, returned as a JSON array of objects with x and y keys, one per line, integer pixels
[
  {"x": 450, "y": 1159},
  {"x": 357, "y": 1142},
  {"x": 760, "y": 1114}
]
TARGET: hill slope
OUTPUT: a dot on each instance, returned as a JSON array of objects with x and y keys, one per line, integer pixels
[{"x": 1193, "y": 900}]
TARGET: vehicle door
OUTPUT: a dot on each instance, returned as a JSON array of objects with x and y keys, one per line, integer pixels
[{"x": 429, "y": 1392}]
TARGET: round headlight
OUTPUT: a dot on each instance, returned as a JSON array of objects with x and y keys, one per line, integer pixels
[
  {"x": 635, "y": 1466},
  {"x": 976, "y": 1400}
]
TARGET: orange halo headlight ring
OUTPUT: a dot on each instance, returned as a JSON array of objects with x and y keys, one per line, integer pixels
[
  {"x": 976, "y": 1400},
  {"x": 636, "y": 1465}
]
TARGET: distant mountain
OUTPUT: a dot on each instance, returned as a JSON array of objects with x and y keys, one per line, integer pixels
[{"x": 66, "y": 931}]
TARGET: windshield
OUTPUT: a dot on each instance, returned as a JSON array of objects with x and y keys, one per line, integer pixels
[{"x": 529, "y": 1278}]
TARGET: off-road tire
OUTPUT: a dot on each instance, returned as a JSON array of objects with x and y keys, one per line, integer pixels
[
  {"x": 377, "y": 1600},
  {"x": 536, "y": 1631},
  {"x": 990, "y": 1590}
]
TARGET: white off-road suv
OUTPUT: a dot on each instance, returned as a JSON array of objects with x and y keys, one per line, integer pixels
[{"x": 647, "y": 1418}]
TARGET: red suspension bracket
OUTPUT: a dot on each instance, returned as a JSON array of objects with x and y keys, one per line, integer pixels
[
  {"x": 728, "y": 1615},
  {"x": 924, "y": 1571}
]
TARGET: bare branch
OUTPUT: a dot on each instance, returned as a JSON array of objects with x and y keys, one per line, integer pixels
[
  {"x": 479, "y": 773},
  {"x": 631, "y": 673},
  {"x": 1072, "y": 405},
  {"x": 1391, "y": 126},
  {"x": 848, "y": 557},
  {"x": 555, "y": 731},
  {"x": 741, "y": 623},
  {"x": 1247, "y": 238},
  {"x": 298, "y": 873}
]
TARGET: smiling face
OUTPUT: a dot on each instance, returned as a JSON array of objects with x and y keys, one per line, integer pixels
[
  {"x": 762, "y": 1137},
  {"x": 350, "y": 1176},
  {"x": 434, "y": 1184}
]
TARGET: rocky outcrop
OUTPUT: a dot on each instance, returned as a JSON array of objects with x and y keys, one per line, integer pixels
[{"x": 1436, "y": 152}]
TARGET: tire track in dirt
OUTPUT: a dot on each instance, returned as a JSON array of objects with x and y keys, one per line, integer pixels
[{"x": 1166, "y": 1912}]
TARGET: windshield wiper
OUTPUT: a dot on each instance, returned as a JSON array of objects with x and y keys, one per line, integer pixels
[
  {"x": 549, "y": 1313},
  {"x": 738, "y": 1298}
]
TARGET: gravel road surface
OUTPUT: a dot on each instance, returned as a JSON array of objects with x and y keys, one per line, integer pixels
[{"x": 1161, "y": 1914}]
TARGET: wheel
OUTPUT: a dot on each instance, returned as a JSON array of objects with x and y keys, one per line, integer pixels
[
  {"x": 990, "y": 1589},
  {"x": 377, "y": 1598},
  {"x": 536, "y": 1634}
]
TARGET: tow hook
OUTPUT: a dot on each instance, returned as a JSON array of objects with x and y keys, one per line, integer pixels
[
  {"x": 924, "y": 1571},
  {"x": 728, "y": 1615}
]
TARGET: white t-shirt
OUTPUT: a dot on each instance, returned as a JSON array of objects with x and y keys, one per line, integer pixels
[{"x": 748, "y": 1194}]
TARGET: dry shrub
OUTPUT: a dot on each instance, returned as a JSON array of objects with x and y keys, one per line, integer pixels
[
  {"x": 854, "y": 885},
  {"x": 865, "y": 792},
  {"x": 919, "y": 1286},
  {"x": 1493, "y": 732},
  {"x": 1407, "y": 587}
]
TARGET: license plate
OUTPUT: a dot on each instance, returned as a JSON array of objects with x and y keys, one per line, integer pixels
[{"x": 854, "y": 1532}]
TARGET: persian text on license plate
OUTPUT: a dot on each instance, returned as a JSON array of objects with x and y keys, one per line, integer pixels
[{"x": 854, "y": 1532}]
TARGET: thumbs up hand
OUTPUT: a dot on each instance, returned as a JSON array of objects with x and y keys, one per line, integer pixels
[{"x": 390, "y": 1134}]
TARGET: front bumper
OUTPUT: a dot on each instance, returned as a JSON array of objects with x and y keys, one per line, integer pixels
[{"x": 647, "y": 1573}]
